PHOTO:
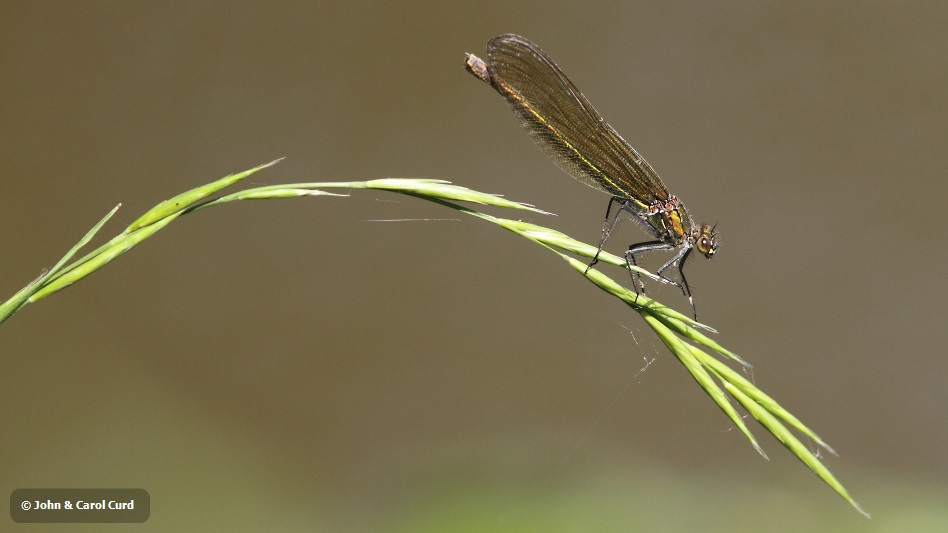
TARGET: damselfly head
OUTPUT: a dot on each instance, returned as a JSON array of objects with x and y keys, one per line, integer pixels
[{"x": 706, "y": 242}]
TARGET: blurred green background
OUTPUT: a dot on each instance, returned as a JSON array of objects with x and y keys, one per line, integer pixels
[{"x": 304, "y": 366}]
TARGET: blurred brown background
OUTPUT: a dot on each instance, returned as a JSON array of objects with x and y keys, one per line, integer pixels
[{"x": 300, "y": 366}]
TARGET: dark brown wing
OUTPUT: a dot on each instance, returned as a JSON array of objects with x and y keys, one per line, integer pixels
[{"x": 565, "y": 125}]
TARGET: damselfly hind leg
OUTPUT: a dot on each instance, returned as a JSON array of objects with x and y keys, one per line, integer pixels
[{"x": 608, "y": 224}]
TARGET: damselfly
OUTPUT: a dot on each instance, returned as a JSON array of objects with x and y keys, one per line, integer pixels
[{"x": 567, "y": 127}]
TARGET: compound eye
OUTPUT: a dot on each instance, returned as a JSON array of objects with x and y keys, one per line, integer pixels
[{"x": 704, "y": 245}]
